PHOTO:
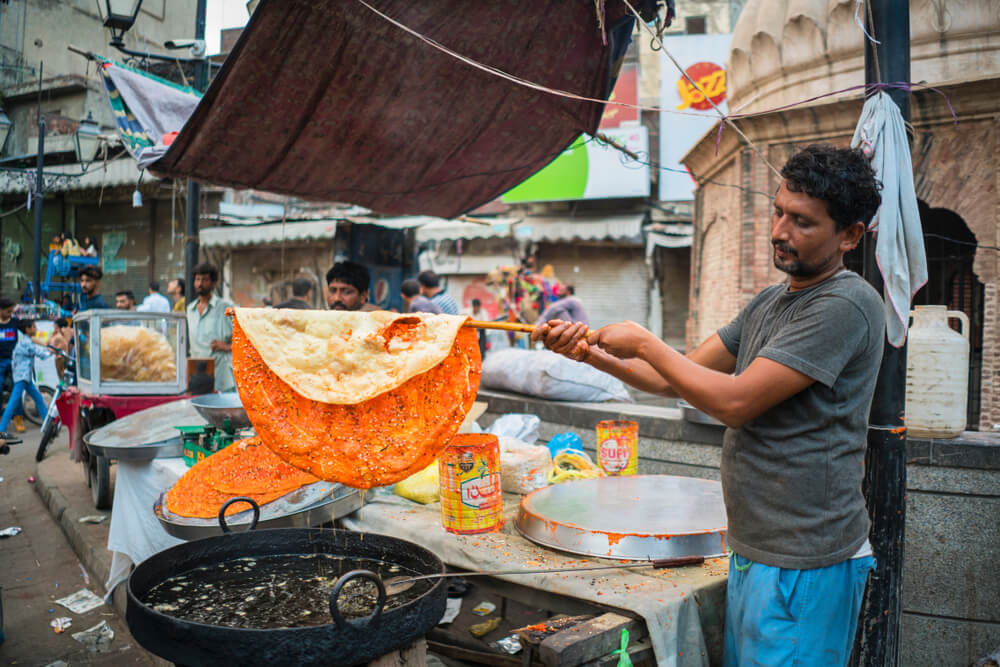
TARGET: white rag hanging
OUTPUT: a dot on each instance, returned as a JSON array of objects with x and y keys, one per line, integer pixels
[{"x": 899, "y": 239}]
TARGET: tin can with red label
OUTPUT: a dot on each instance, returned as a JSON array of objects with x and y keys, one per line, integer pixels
[
  {"x": 471, "y": 495},
  {"x": 618, "y": 447}
]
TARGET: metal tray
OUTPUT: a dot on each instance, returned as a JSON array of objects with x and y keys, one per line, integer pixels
[
  {"x": 693, "y": 414},
  {"x": 145, "y": 435},
  {"x": 298, "y": 509},
  {"x": 633, "y": 518}
]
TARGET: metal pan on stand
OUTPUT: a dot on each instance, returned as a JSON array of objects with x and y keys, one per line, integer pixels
[{"x": 144, "y": 435}]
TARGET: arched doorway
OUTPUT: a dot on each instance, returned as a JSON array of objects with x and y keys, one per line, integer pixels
[{"x": 951, "y": 249}]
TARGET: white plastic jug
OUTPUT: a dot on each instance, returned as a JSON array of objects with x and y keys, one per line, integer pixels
[{"x": 937, "y": 373}]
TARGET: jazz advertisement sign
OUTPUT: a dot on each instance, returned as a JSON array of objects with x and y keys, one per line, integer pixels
[
  {"x": 589, "y": 169},
  {"x": 703, "y": 58}
]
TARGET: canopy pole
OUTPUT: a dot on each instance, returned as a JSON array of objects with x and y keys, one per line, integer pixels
[
  {"x": 191, "y": 222},
  {"x": 877, "y": 640}
]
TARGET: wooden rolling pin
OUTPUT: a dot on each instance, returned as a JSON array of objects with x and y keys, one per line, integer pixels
[{"x": 502, "y": 326}]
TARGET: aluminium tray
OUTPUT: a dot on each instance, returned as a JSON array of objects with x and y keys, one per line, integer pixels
[
  {"x": 630, "y": 517},
  {"x": 145, "y": 435},
  {"x": 306, "y": 507}
]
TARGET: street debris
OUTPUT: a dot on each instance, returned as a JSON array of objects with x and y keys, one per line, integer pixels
[
  {"x": 58, "y": 663},
  {"x": 31, "y": 480},
  {"x": 61, "y": 624},
  {"x": 451, "y": 609},
  {"x": 83, "y": 573},
  {"x": 510, "y": 644},
  {"x": 10, "y": 532},
  {"x": 97, "y": 639},
  {"x": 484, "y": 608},
  {"x": 81, "y": 602},
  {"x": 93, "y": 518}
]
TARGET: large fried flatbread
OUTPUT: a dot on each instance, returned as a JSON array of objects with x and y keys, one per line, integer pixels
[
  {"x": 379, "y": 441},
  {"x": 346, "y": 357},
  {"x": 244, "y": 468}
]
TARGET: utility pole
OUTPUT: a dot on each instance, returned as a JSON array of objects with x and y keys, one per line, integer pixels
[
  {"x": 38, "y": 196},
  {"x": 877, "y": 643},
  {"x": 193, "y": 188}
]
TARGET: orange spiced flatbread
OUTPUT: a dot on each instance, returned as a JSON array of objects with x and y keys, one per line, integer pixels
[
  {"x": 244, "y": 468},
  {"x": 414, "y": 403}
]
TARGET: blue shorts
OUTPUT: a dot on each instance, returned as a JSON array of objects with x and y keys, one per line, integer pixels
[{"x": 778, "y": 617}]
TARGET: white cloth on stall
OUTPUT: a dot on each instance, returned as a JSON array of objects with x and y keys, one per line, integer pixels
[
  {"x": 669, "y": 601},
  {"x": 136, "y": 533},
  {"x": 899, "y": 249}
]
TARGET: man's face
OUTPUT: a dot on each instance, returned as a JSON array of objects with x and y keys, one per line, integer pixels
[
  {"x": 804, "y": 236},
  {"x": 122, "y": 302},
  {"x": 173, "y": 289},
  {"x": 203, "y": 284},
  {"x": 89, "y": 285},
  {"x": 6, "y": 313},
  {"x": 341, "y": 296}
]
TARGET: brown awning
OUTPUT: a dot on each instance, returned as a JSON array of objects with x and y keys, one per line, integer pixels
[{"x": 329, "y": 101}]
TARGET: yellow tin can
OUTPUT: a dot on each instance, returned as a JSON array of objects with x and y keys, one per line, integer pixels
[
  {"x": 471, "y": 495},
  {"x": 618, "y": 447}
]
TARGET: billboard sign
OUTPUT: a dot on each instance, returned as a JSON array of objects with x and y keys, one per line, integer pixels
[
  {"x": 589, "y": 169},
  {"x": 703, "y": 58}
]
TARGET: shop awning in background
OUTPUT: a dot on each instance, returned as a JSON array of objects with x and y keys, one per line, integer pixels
[
  {"x": 608, "y": 228},
  {"x": 235, "y": 236},
  {"x": 447, "y": 230},
  {"x": 330, "y": 101}
]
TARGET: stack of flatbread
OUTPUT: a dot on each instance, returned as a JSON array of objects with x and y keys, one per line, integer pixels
[{"x": 363, "y": 399}]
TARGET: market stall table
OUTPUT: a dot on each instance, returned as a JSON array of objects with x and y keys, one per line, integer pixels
[{"x": 682, "y": 607}]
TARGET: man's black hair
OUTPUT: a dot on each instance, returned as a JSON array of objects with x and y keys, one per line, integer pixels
[
  {"x": 410, "y": 288},
  {"x": 352, "y": 273},
  {"x": 62, "y": 322},
  {"x": 476, "y": 303},
  {"x": 841, "y": 177},
  {"x": 206, "y": 269},
  {"x": 428, "y": 279},
  {"x": 24, "y": 325},
  {"x": 180, "y": 284},
  {"x": 155, "y": 286},
  {"x": 128, "y": 293},
  {"x": 5, "y": 302},
  {"x": 92, "y": 272},
  {"x": 301, "y": 286}
]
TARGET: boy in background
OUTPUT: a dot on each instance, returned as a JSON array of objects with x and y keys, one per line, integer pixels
[{"x": 23, "y": 363}]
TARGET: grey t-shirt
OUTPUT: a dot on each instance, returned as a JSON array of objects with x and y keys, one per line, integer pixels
[
  {"x": 421, "y": 304},
  {"x": 791, "y": 478}
]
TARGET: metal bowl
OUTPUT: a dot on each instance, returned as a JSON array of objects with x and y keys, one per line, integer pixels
[
  {"x": 216, "y": 408},
  {"x": 692, "y": 414}
]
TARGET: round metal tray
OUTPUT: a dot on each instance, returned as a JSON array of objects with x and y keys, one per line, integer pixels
[
  {"x": 693, "y": 414},
  {"x": 290, "y": 511},
  {"x": 633, "y": 518},
  {"x": 144, "y": 435}
]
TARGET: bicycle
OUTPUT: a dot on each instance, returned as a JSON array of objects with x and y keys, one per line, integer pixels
[
  {"x": 28, "y": 407},
  {"x": 51, "y": 425}
]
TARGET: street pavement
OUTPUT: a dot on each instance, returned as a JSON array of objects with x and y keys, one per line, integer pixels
[{"x": 39, "y": 565}]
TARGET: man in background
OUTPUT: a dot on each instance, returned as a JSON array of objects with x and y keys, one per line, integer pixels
[
  {"x": 125, "y": 300},
  {"x": 568, "y": 308},
  {"x": 430, "y": 287},
  {"x": 301, "y": 295},
  {"x": 175, "y": 288},
  {"x": 210, "y": 332},
  {"x": 90, "y": 289},
  {"x": 416, "y": 302},
  {"x": 8, "y": 340},
  {"x": 347, "y": 287},
  {"x": 154, "y": 301}
]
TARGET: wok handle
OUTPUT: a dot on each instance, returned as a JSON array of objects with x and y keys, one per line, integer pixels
[
  {"x": 379, "y": 604},
  {"x": 222, "y": 513}
]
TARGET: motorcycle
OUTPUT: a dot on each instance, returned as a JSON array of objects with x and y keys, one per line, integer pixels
[{"x": 51, "y": 425}]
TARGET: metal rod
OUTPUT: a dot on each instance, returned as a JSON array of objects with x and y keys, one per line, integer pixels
[
  {"x": 39, "y": 195},
  {"x": 501, "y": 326},
  {"x": 877, "y": 641},
  {"x": 193, "y": 188}
]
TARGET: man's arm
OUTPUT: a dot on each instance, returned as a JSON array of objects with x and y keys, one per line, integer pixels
[
  {"x": 570, "y": 340},
  {"x": 733, "y": 399}
]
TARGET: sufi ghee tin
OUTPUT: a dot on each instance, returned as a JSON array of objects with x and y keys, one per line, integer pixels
[
  {"x": 471, "y": 496},
  {"x": 618, "y": 447}
]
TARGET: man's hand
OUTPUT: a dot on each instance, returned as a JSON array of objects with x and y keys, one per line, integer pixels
[
  {"x": 567, "y": 338},
  {"x": 220, "y": 346},
  {"x": 624, "y": 340}
]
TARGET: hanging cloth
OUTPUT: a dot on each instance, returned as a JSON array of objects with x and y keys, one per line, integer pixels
[{"x": 899, "y": 239}]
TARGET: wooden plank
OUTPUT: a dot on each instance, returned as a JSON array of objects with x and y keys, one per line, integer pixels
[
  {"x": 414, "y": 655},
  {"x": 640, "y": 653},
  {"x": 477, "y": 657},
  {"x": 590, "y": 640}
]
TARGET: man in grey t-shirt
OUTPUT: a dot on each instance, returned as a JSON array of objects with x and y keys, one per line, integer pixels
[{"x": 792, "y": 377}]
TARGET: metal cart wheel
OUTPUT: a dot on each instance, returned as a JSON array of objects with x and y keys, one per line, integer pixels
[{"x": 99, "y": 481}]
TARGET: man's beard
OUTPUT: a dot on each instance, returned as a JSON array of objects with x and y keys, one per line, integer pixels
[
  {"x": 792, "y": 266},
  {"x": 339, "y": 305},
  {"x": 204, "y": 291}
]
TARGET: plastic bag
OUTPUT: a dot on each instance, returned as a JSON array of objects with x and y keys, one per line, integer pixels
[
  {"x": 523, "y": 467},
  {"x": 522, "y": 427},
  {"x": 549, "y": 375},
  {"x": 422, "y": 487}
]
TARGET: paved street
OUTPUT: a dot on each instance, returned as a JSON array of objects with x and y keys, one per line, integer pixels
[{"x": 39, "y": 565}]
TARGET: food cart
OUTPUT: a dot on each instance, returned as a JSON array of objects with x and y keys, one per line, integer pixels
[{"x": 126, "y": 361}]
